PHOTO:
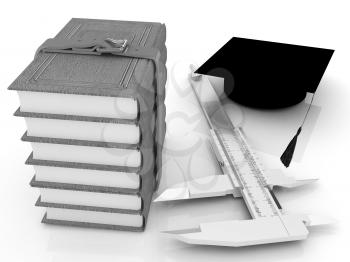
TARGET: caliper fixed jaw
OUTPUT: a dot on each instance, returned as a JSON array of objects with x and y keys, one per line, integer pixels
[{"x": 237, "y": 233}]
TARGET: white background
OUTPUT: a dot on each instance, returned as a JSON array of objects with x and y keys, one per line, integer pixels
[{"x": 195, "y": 31}]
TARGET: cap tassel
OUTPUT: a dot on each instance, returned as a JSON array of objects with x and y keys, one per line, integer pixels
[{"x": 287, "y": 155}]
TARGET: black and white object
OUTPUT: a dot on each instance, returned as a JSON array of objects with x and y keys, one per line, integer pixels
[
  {"x": 93, "y": 102},
  {"x": 242, "y": 176}
]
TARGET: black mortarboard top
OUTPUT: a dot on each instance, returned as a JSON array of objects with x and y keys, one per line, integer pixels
[{"x": 268, "y": 75}]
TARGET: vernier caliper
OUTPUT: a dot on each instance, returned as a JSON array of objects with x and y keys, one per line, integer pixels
[{"x": 242, "y": 177}]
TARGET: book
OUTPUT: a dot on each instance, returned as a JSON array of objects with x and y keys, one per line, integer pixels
[
  {"x": 87, "y": 177},
  {"x": 83, "y": 128},
  {"x": 84, "y": 195},
  {"x": 95, "y": 219},
  {"x": 90, "y": 152},
  {"x": 74, "y": 104},
  {"x": 96, "y": 124}
]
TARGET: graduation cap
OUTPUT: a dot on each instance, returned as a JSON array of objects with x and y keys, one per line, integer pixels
[{"x": 268, "y": 75}]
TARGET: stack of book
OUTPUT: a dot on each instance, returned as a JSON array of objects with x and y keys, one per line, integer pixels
[{"x": 96, "y": 124}]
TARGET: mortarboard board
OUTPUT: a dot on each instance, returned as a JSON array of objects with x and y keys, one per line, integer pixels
[{"x": 268, "y": 75}]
